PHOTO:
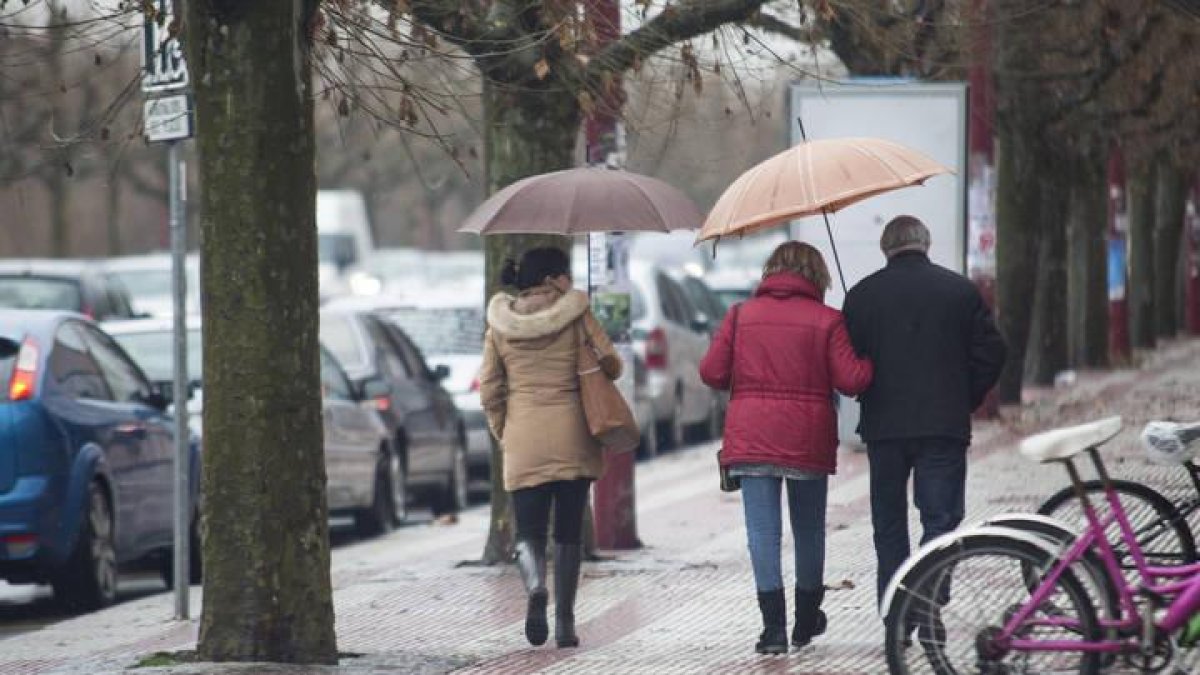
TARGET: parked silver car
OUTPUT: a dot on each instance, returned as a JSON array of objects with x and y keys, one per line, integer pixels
[
  {"x": 149, "y": 282},
  {"x": 449, "y": 333},
  {"x": 364, "y": 477},
  {"x": 388, "y": 368},
  {"x": 670, "y": 336}
]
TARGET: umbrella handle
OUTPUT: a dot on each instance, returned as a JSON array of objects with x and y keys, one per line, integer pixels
[{"x": 832, "y": 244}]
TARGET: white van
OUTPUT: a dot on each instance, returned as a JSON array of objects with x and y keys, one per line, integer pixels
[{"x": 343, "y": 228}]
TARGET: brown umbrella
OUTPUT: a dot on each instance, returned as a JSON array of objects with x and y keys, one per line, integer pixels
[
  {"x": 578, "y": 201},
  {"x": 815, "y": 177}
]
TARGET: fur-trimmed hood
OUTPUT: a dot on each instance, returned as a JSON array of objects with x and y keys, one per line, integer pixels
[{"x": 535, "y": 313}]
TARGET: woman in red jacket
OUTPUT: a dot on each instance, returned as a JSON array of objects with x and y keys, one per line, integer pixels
[{"x": 783, "y": 353}]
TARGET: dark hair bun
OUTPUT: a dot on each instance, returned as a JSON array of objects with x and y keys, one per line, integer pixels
[{"x": 508, "y": 273}]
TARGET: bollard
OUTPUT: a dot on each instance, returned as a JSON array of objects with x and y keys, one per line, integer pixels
[{"x": 615, "y": 507}]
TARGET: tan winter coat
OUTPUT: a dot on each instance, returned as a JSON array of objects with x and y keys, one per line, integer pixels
[{"x": 530, "y": 386}]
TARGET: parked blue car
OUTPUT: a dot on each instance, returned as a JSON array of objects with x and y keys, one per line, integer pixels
[{"x": 86, "y": 457}]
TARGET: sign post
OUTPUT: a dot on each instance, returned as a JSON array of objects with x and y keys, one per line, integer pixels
[{"x": 168, "y": 118}]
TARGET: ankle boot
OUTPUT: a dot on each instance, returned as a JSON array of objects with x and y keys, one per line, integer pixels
[
  {"x": 531, "y": 561},
  {"x": 566, "y": 581},
  {"x": 773, "y": 605},
  {"x": 810, "y": 620}
]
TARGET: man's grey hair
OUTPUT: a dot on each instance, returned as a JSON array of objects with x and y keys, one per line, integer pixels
[{"x": 904, "y": 233}]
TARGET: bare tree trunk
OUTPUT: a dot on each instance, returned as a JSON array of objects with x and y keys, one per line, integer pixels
[
  {"x": 267, "y": 591},
  {"x": 57, "y": 173},
  {"x": 113, "y": 215},
  {"x": 1170, "y": 204},
  {"x": 527, "y": 133},
  {"x": 1018, "y": 192},
  {"x": 1087, "y": 266},
  {"x": 1048, "y": 332},
  {"x": 1140, "y": 291}
]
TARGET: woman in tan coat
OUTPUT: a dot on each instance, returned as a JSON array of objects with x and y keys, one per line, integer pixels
[{"x": 529, "y": 384}]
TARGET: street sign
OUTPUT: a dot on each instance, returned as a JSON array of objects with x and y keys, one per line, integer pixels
[
  {"x": 168, "y": 118},
  {"x": 163, "y": 65}
]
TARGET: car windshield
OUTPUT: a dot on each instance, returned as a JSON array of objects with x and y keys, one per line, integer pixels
[
  {"x": 451, "y": 330},
  {"x": 339, "y": 337},
  {"x": 335, "y": 249},
  {"x": 731, "y": 297},
  {"x": 154, "y": 351},
  {"x": 26, "y": 292},
  {"x": 145, "y": 282}
]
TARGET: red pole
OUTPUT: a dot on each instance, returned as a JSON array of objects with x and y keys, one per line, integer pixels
[
  {"x": 981, "y": 112},
  {"x": 614, "y": 509},
  {"x": 1118, "y": 308}
]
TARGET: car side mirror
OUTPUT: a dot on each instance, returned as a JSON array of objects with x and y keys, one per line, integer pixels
[
  {"x": 701, "y": 323},
  {"x": 9, "y": 348},
  {"x": 375, "y": 388},
  {"x": 159, "y": 397},
  {"x": 441, "y": 372}
]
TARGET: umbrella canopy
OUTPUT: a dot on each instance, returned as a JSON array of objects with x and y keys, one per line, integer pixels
[
  {"x": 812, "y": 178},
  {"x": 578, "y": 201}
]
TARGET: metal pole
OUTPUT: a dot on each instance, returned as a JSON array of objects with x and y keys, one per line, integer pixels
[{"x": 180, "y": 394}]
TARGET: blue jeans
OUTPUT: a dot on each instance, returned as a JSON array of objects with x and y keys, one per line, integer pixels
[
  {"x": 764, "y": 531},
  {"x": 939, "y": 470}
]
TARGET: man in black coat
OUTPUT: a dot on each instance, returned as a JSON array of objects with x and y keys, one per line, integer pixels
[{"x": 936, "y": 353}]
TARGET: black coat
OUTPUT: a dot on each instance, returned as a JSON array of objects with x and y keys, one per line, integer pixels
[{"x": 934, "y": 345}]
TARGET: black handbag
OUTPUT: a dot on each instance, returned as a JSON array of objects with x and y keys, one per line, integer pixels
[{"x": 729, "y": 483}]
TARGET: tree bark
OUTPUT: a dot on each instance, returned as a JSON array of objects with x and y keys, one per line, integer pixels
[
  {"x": 1170, "y": 204},
  {"x": 267, "y": 591},
  {"x": 527, "y": 133},
  {"x": 1140, "y": 291},
  {"x": 1048, "y": 332},
  {"x": 1018, "y": 194},
  {"x": 1087, "y": 266}
]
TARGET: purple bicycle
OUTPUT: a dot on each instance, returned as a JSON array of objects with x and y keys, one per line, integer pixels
[{"x": 1006, "y": 600}]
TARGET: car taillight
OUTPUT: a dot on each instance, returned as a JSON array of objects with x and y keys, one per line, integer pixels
[
  {"x": 24, "y": 377},
  {"x": 19, "y": 545},
  {"x": 656, "y": 349},
  {"x": 474, "y": 385},
  {"x": 87, "y": 311},
  {"x": 383, "y": 403}
]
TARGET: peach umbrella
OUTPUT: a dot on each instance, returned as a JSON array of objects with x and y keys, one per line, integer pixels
[{"x": 815, "y": 177}]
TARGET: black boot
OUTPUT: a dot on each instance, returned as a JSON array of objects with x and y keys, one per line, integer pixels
[
  {"x": 810, "y": 619},
  {"x": 773, "y": 605},
  {"x": 531, "y": 560},
  {"x": 566, "y": 581}
]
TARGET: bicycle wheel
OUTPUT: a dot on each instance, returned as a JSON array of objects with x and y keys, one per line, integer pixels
[
  {"x": 959, "y": 596},
  {"x": 1090, "y": 569},
  {"x": 1161, "y": 531}
]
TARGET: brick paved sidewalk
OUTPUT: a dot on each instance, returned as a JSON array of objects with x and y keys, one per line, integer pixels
[{"x": 683, "y": 604}]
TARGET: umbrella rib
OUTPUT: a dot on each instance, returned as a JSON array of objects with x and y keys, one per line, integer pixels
[{"x": 662, "y": 217}]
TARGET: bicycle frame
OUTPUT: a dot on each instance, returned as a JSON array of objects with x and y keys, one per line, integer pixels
[{"x": 1185, "y": 590}]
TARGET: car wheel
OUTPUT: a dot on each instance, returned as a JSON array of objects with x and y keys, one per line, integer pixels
[
  {"x": 455, "y": 495},
  {"x": 649, "y": 446},
  {"x": 716, "y": 419},
  {"x": 678, "y": 428},
  {"x": 89, "y": 578},
  {"x": 195, "y": 558},
  {"x": 380, "y": 516}
]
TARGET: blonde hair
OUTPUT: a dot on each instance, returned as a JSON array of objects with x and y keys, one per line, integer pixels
[{"x": 799, "y": 258}]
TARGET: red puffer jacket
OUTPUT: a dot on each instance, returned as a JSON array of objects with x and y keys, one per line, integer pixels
[{"x": 790, "y": 353}]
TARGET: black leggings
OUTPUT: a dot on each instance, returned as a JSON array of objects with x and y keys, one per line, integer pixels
[{"x": 532, "y": 509}]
